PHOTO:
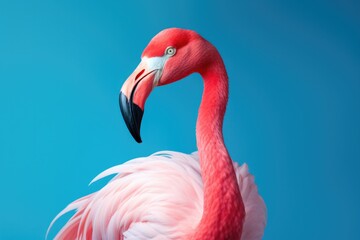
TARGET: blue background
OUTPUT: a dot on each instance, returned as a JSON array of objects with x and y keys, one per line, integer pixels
[{"x": 293, "y": 114}]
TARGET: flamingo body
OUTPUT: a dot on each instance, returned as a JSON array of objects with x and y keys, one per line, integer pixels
[
  {"x": 170, "y": 195},
  {"x": 156, "y": 197}
]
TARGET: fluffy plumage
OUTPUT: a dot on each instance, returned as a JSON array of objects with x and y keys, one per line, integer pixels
[{"x": 156, "y": 197}]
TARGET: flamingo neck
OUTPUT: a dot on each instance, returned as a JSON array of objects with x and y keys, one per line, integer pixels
[{"x": 223, "y": 212}]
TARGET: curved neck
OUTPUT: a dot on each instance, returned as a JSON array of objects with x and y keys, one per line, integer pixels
[{"x": 223, "y": 211}]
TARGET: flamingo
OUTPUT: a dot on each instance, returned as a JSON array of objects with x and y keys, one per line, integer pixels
[{"x": 172, "y": 195}]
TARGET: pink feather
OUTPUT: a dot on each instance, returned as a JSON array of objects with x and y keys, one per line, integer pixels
[{"x": 155, "y": 197}]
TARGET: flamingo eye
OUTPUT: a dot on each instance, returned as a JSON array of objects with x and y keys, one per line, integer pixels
[{"x": 170, "y": 51}]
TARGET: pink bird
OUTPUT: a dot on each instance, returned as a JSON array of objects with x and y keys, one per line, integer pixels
[{"x": 171, "y": 195}]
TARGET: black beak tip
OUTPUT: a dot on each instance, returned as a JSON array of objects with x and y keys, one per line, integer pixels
[
  {"x": 132, "y": 115},
  {"x": 137, "y": 139}
]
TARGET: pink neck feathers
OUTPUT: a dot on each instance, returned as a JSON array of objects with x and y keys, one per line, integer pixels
[{"x": 224, "y": 212}]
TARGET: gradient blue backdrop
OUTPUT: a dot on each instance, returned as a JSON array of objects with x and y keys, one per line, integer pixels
[{"x": 293, "y": 114}]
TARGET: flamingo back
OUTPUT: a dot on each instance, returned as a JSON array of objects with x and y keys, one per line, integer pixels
[{"x": 156, "y": 197}]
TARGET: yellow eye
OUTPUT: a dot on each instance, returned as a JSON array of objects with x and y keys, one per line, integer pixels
[{"x": 170, "y": 51}]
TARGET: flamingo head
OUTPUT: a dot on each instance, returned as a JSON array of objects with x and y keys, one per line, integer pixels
[{"x": 170, "y": 56}]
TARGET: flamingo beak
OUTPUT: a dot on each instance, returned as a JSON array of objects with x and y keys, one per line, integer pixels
[
  {"x": 132, "y": 115},
  {"x": 134, "y": 93}
]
